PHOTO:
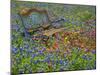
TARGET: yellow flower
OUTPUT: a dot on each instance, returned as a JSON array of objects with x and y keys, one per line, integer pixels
[
  {"x": 66, "y": 38},
  {"x": 30, "y": 30}
]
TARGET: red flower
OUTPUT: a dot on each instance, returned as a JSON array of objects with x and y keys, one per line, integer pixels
[{"x": 55, "y": 46}]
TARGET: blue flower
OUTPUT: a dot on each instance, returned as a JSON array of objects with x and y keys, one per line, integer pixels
[
  {"x": 26, "y": 34},
  {"x": 30, "y": 51},
  {"x": 47, "y": 59},
  {"x": 33, "y": 55},
  {"x": 40, "y": 52},
  {"x": 15, "y": 27},
  {"x": 86, "y": 57},
  {"x": 35, "y": 48},
  {"x": 14, "y": 50},
  {"x": 14, "y": 16},
  {"x": 79, "y": 48},
  {"x": 43, "y": 49},
  {"x": 93, "y": 51},
  {"x": 89, "y": 58},
  {"x": 26, "y": 46},
  {"x": 61, "y": 62},
  {"x": 21, "y": 48},
  {"x": 86, "y": 50}
]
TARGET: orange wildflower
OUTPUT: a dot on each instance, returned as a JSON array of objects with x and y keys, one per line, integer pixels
[{"x": 55, "y": 45}]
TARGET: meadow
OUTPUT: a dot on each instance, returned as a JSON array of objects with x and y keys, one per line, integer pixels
[{"x": 69, "y": 49}]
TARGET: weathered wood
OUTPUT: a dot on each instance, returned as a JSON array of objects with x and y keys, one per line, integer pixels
[{"x": 52, "y": 31}]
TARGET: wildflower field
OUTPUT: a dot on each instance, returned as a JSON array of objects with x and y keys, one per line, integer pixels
[{"x": 65, "y": 42}]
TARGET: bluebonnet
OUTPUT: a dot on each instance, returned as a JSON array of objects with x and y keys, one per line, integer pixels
[
  {"x": 15, "y": 27},
  {"x": 14, "y": 50},
  {"x": 40, "y": 52},
  {"x": 86, "y": 50},
  {"x": 61, "y": 62},
  {"x": 93, "y": 51},
  {"x": 14, "y": 16},
  {"x": 30, "y": 51},
  {"x": 26, "y": 34},
  {"x": 49, "y": 55},
  {"x": 35, "y": 48},
  {"x": 33, "y": 55},
  {"x": 47, "y": 59},
  {"x": 21, "y": 48},
  {"x": 86, "y": 57},
  {"x": 43, "y": 49},
  {"x": 26, "y": 46},
  {"x": 79, "y": 48}
]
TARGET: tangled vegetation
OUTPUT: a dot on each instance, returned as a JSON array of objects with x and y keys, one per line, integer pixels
[{"x": 68, "y": 48}]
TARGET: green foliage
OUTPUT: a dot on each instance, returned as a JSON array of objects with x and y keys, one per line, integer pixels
[{"x": 32, "y": 56}]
